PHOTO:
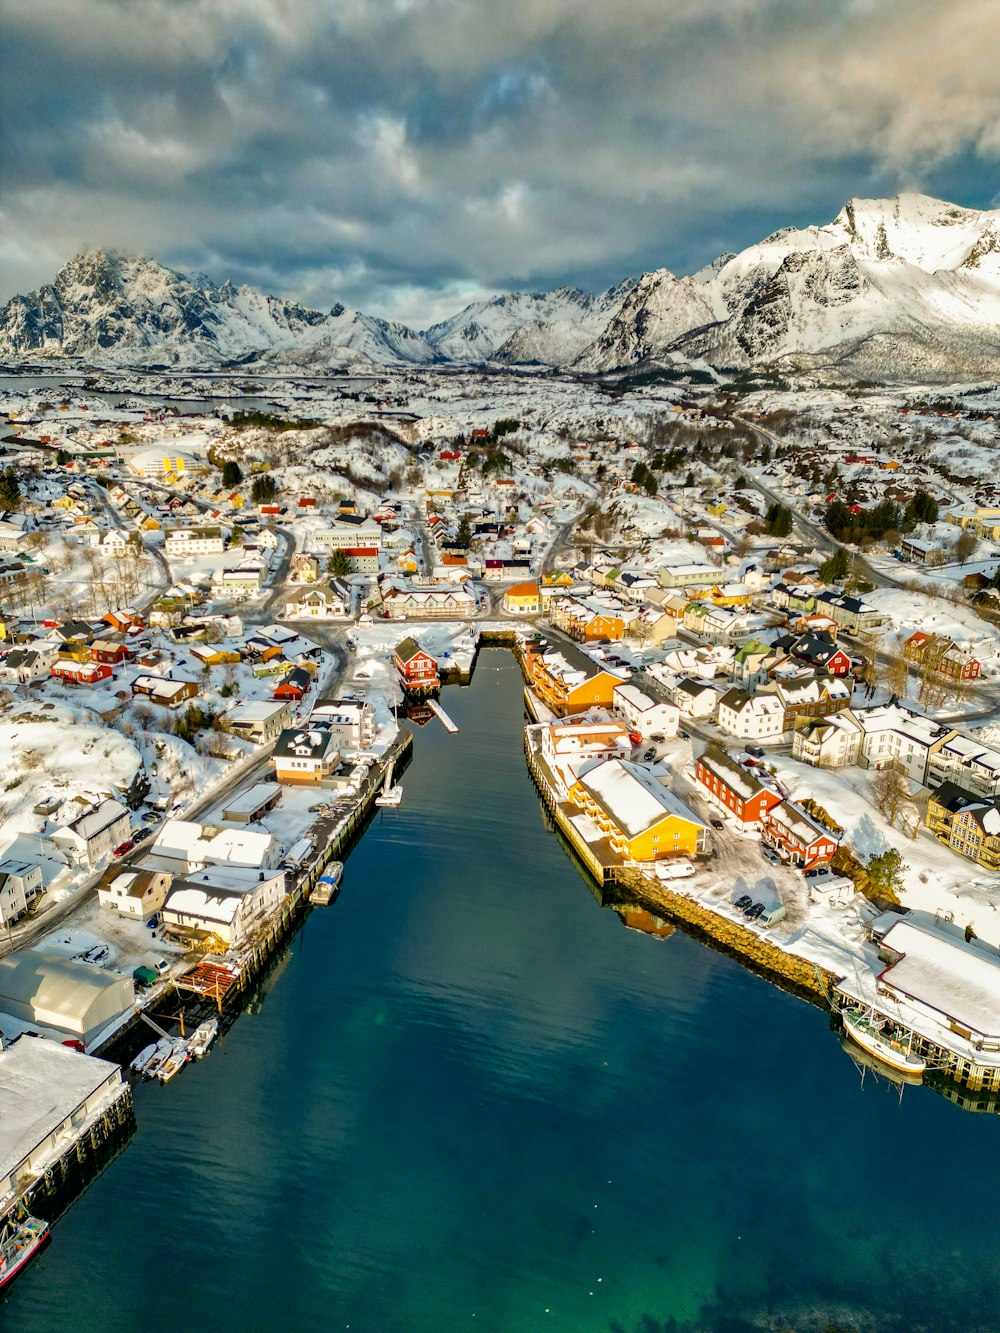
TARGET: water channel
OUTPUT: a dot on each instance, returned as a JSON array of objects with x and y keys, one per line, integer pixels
[{"x": 472, "y": 1100}]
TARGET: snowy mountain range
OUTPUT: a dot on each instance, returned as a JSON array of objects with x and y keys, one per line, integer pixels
[{"x": 904, "y": 288}]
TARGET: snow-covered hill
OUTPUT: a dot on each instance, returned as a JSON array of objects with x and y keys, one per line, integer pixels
[
  {"x": 897, "y": 288},
  {"x": 518, "y": 327},
  {"x": 117, "y": 310}
]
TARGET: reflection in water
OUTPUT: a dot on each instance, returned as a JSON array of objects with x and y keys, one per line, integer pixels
[{"x": 472, "y": 1101}]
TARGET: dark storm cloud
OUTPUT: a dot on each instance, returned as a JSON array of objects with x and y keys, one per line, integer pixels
[{"x": 405, "y": 156}]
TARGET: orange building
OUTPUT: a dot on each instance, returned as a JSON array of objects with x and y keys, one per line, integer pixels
[{"x": 568, "y": 681}]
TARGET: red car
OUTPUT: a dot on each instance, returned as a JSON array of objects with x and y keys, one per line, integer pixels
[{"x": 126, "y": 846}]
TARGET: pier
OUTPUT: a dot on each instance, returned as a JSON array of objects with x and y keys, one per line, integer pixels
[{"x": 442, "y": 716}]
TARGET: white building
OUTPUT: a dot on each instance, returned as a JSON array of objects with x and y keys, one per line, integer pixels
[
  {"x": 895, "y": 734},
  {"x": 350, "y": 721},
  {"x": 751, "y": 716},
  {"x": 135, "y": 893},
  {"x": 48, "y": 1093},
  {"x": 258, "y": 721},
  {"x": 645, "y": 715},
  {"x": 228, "y": 903},
  {"x": 41, "y": 988},
  {"x": 20, "y": 885},
  {"x": 94, "y": 834},
  {"x": 183, "y": 846},
  {"x": 183, "y": 543},
  {"x": 829, "y": 742}
]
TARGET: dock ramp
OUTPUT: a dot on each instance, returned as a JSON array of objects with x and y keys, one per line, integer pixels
[{"x": 442, "y": 716}]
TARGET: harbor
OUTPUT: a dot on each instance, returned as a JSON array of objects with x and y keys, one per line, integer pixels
[{"x": 464, "y": 1030}]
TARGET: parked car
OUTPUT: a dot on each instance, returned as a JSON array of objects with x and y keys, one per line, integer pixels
[
  {"x": 753, "y": 911},
  {"x": 684, "y": 736},
  {"x": 769, "y": 854},
  {"x": 717, "y": 823},
  {"x": 650, "y": 754},
  {"x": 755, "y": 750},
  {"x": 140, "y": 834},
  {"x": 124, "y": 847},
  {"x": 660, "y": 740},
  {"x": 743, "y": 902}
]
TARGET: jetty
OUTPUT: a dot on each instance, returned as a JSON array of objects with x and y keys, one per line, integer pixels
[{"x": 442, "y": 716}]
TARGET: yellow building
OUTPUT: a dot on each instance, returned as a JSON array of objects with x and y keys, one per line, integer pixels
[
  {"x": 523, "y": 599},
  {"x": 641, "y": 818}
]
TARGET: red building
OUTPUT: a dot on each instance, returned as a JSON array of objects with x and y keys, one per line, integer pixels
[
  {"x": 735, "y": 789},
  {"x": 417, "y": 670},
  {"x": 111, "y": 654},
  {"x": 80, "y": 673},
  {"x": 296, "y": 684},
  {"x": 798, "y": 837}
]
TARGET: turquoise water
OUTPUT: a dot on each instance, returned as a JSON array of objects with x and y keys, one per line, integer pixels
[{"x": 471, "y": 1100}]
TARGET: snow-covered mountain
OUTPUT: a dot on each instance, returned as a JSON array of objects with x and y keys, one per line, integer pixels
[
  {"x": 518, "y": 327},
  {"x": 897, "y": 288},
  {"x": 117, "y": 310}
]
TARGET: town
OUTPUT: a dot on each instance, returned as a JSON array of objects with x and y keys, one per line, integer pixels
[{"x": 760, "y": 641}]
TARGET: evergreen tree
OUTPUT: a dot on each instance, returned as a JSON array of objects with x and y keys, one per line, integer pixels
[
  {"x": 339, "y": 564},
  {"x": 464, "y": 535},
  {"x": 232, "y": 473}
]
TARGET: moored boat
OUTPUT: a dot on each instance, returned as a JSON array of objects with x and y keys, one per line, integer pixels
[
  {"x": 327, "y": 886},
  {"x": 202, "y": 1038},
  {"x": 20, "y": 1241},
  {"x": 161, "y": 1051},
  {"x": 174, "y": 1062},
  {"x": 143, "y": 1058},
  {"x": 883, "y": 1044}
]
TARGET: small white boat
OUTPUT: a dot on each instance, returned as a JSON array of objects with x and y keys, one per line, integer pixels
[
  {"x": 143, "y": 1058},
  {"x": 391, "y": 796},
  {"x": 202, "y": 1038},
  {"x": 160, "y": 1052},
  {"x": 863, "y": 1029},
  {"x": 174, "y": 1062}
]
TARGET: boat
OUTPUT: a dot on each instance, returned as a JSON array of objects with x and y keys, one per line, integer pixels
[
  {"x": 865, "y": 1030},
  {"x": 391, "y": 796},
  {"x": 143, "y": 1058},
  {"x": 327, "y": 886},
  {"x": 202, "y": 1038},
  {"x": 174, "y": 1062},
  {"x": 160, "y": 1052},
  {"x": 20, "y": 1241}
]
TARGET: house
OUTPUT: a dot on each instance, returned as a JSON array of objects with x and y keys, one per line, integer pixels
[
  {"x": 257, "y": 721},
  {"x": 80, "y": 673},
  {"x": 589, "y": 620},
  {"x": 185, "y": 543},
  {"x": 892, "y": 734},
  {"x": 95, "y": 833},
  {"x": 417, "y": 670},
  {"x": 751, "y": 716},
  {"x": 20, "y": 885},
  {"x": 567, "y": 681},
  {"x": 695, "y": 698},
  {"x": 828, "y": 742},
  {"x": 295, "y": 685},
  {"x": 164, "y": 690},
  {"x": 134, "y": 893},
  {"x": 805, "y": 694},
  {"x": 222, "y": 906},
  {"x": 965, "y": 762},
  {"x": 109, "y": 652},
  {"x": 851, "y": 613},
  {"x": 967, "y": 823},
  {"x": 319, "y": 601},
  {"x": 941, "y": 655},
  {"x": 400, "y": 603},
  {"x": 821, "y": 652},
  {"x": 799, "y": 837},
  {"x": 716, "y": 624},
  {"x": 735, "y": 789},
  {"x": 688, "y": 576},
  {"x": 641, "y": 818},
  {"x": 184, "y": 845},
  {"x": 523, "y": 599},
  {"x": 305, "y": 755},
  {"x": 351, "y": 721},
  {"x": 23, "y": 665},
  {"x": 644, "y": 715}
]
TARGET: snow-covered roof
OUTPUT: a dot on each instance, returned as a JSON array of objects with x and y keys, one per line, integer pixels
[
  {"x": 632, "y": 795},
  {"x": 945, "y": 973}
]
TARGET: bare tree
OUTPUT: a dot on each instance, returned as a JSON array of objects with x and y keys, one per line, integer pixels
[{"x": 889, "y": 791}]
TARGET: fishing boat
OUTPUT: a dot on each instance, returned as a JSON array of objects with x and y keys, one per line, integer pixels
[
  {"x": 174, "y": 1062},
  {"x": 143, "y": 1058},
  {"x": 160, "y": 1052},
  {"x": 202, "y": 1038},
  {"x": 327, "y": 886},
  {"x": 391, "y": 796},
  {"x": 865, "y": 1030},
  {"x": 20, "y": 1241}
]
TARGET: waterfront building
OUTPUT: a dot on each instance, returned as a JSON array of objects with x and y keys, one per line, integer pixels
[
  {"x": 48, "y": 1095},
  {"x": 183, "y": 846},
  {"x": 305, "y": 755},
  {"x": 568, "y": 745},
  {"x": 735, "y": 789},
  {"x": 40, "y": 988},
  {"x": 642, "y": 819},
  {"x": 351, "y": 721},
  {"x": 417, "y": 669},
  {"x": 221, "y": 906},
  {"x": 568, "y": 681}
]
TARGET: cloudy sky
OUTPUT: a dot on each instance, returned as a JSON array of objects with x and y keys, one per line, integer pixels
[{"x": 406, "y": 156}]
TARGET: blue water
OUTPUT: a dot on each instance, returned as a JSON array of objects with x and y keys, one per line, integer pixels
[{"x": 471, "y": 1100}]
